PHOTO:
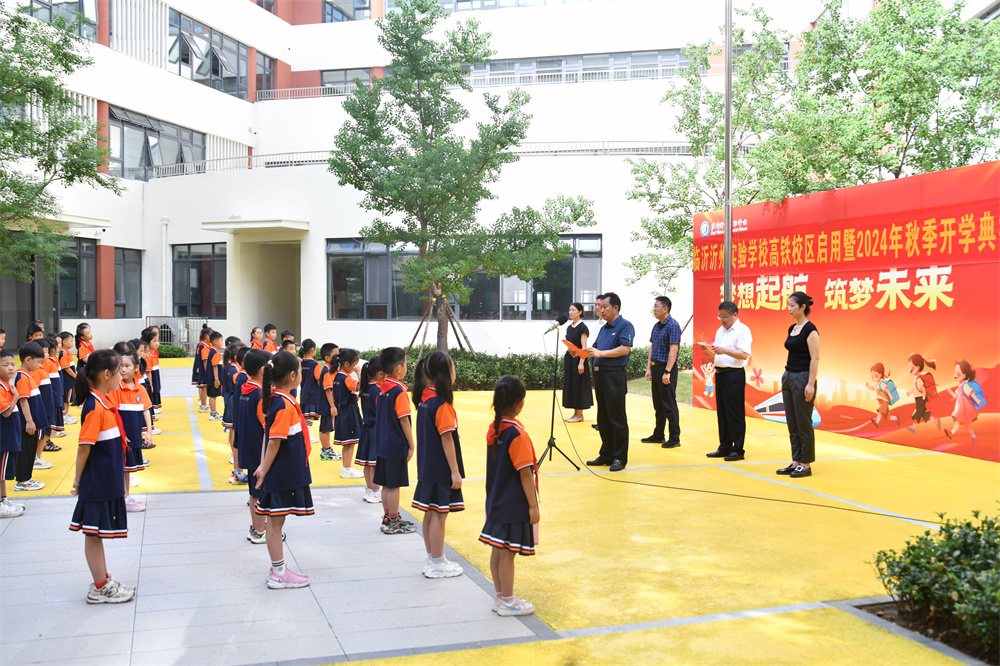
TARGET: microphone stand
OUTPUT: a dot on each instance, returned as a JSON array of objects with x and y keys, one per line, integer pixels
[{"x": 552, "y": 425}]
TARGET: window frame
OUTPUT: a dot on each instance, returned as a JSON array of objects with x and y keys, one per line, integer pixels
[
  {"x": 87, "y": 30},
  {"x": 126, "y": 303},
  {"x": 155, "y": 131},
  {"x": 84, "y": 255},
  {"x": 219, "y": 259},
  {"x": 230, "y": 54}
]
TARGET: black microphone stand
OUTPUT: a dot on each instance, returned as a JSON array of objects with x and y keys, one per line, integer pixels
[{"x": 552, "y": 425}]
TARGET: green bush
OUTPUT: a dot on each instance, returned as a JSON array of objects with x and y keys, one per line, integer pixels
[
  {"x": 480, "y": 372},
  {"x": 948, "y": 580},
  {"x": 169, "y": 351}
]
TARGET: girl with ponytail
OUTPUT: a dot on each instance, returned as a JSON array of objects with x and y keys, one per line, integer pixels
[
  {"x": 347, "y": 421},
  {"x": 511, "y": 494},
  {"x": 369, "y": 388}
]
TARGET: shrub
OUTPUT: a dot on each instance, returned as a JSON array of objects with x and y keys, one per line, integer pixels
[
  {"x": 169, "y": 351},
  {"x": 948, "y": 580}
]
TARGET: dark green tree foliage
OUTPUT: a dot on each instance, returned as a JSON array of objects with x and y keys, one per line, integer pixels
[
  {"x": 44, "y": 140},
  {"x": 402, "y": 147}
]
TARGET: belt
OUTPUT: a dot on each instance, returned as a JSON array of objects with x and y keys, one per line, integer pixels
[
  {"x": 658, "y": 363},
  {"x": 609, "y": 368},
  {"x": 718, "y": 369}
]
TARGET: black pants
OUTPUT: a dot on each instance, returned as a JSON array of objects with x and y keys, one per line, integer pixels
[
  {"x": 610, "y": 389},
  {"x": 665, "y": 404},
  {"x": 26, "y": 459},
  {"x": 730, "y": 396},
  {"x": 798, "y": 415}
]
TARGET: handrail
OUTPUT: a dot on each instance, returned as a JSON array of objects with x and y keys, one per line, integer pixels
[{"x": 527, "y": 149}]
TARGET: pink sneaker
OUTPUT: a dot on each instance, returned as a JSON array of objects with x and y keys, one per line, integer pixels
[
  {"x": 132, "y": 505},
  {"x": 290, "y": 579}
]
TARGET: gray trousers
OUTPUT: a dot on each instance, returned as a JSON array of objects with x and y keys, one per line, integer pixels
[{"x": 798, "y": 415}]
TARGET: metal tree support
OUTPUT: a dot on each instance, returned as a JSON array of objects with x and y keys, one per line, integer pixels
[
  {"x": 456, "y": 327},
  {"x": 728, "y": 163}
]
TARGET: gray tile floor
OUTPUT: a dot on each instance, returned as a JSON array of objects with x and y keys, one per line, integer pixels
[{"x": 202, "y": 596}]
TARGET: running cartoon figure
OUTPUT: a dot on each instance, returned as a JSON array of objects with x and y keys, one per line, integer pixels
[
  {"x": 924, "y": 388},
  {"x": 885, "y": 391},
  {"x": 969, "y": 399},
  {"x": 709, "y": 370}
]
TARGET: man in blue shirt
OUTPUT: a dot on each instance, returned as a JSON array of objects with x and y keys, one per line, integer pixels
[
  {"x": 611, "y": 353},
  {"x": 661, "y": 370}
]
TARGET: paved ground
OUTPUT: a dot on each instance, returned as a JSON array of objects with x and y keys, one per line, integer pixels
[{"x": 688, "y": 561}]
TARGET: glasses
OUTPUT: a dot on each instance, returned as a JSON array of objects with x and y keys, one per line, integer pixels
[{"x": 726, "y": 318}]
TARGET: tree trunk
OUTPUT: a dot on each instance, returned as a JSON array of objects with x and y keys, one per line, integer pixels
[{"x": 442, "y": 333}]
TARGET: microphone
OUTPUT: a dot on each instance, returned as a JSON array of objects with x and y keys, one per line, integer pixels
[{"x": 562, "y": 319}]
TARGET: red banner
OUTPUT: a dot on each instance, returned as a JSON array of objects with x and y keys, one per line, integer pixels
[{"x": 896, "y": 269}]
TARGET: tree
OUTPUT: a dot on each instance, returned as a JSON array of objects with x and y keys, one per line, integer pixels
[
  {"x": 44, "y": 139},
  {"x": 401, "y": 147},
  {"x": 676, "y": 191},
  {"x": 907, "y": 90}
]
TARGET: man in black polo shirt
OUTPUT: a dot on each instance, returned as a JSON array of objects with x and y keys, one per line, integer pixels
[
  {"x": 661, "y": 370},
  {"x": 611, "y": 353}
]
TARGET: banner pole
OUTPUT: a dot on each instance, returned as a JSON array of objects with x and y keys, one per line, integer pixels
[{"x": 728, "y": 165}]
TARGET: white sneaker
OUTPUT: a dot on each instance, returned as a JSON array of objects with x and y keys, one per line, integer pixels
[
  {"x": 337, "y": 455},
  {"x": 515, "y": 607},
  {"x": 70, "y": 420},
  {"x": 6, "y": 500},
  {"x": 8, "y": 510},
  {"x": 41, "y": 464},
  {"x": 157, "y": 410},
  {"x": 443, "y": 570},
  {"x": 113, "y": 592},
  {"x": 373, "y": 496},
  {"x": 132, "y": 505},
  {"x": 133, "y": 480},
  {"x": 215, "y": 416},
  {"x": 58, "y": 433},
  {"x": 230, "y": 460},
  {"x": 202, "y": 409},
  {"x": 30, "y": 484},
  {"x": 351, "y": 473},
  {"x": 155, "y": 431}
]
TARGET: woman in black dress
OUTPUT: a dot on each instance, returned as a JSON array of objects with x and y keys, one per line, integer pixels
[{"x": 576, "y": 371}]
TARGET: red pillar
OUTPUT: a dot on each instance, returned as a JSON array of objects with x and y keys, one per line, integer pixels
[
  {"x": 105, "y": 281},
  {"x": 102, "y": 130},
  {"x": 252, "y": 82},
  {"x": 103, "y": 22},
  {"x": 378, "y": 9}
]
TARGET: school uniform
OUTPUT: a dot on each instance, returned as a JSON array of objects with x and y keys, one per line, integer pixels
[
  {"x": 435, "y": 418},
  {"x": 51, "y": 366},
  {"x": 83, "y": 350},
  {"x": 365, "y": 454},
  {"x": 198, "y": 367},
  {"x": 155, "y": 382},
  {"x": 10, "y": 434},
  {"x": 131, "y": 403},
  {"x": 27, "y": 387},
  {"x": 270, "y": 346},
  {"x": 310, "y": 389},
  {"x": 285, "y": 489},
  {"x": 213, "y": 360},
  {"x": 347, "y": 423},
  {"x": 324, "y": 380},
  {"x": 228, "y": 396},
  {"x": 41, "y": 377},
  {"x": 256, "y": 344},
  {"x": 390, "y": 442},
  {"x": 100, "y": 504},
  {"x": 249, "y": 438},
  {"x": 68, "y": 380},
  {"x": 508, "y": 519}
]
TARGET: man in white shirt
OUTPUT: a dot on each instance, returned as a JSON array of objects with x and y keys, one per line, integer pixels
[{"x": 731, "y": 350}]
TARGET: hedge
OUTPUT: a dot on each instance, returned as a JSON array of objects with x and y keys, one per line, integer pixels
[{"x": 169, "y": 351}]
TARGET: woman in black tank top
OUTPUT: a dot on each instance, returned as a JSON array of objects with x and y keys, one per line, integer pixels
[{"x": 798, "y": 385}]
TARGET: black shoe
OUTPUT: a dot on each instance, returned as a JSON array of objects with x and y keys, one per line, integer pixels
[
  {"x": 617, "y": 466},
  {"x": 734, "y": 456},
  {"x": 787, "y": 469},
  {"x": 597, "y": 462},
  {"x": 652, "y": 439},
  {"x": 670, "y": 445},
  {"x": 800, "y": 472},
  {"x": 594, "y": 426},
  {"x": 717, "y": 454}
]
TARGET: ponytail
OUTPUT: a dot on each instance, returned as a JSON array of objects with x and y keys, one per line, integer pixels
[
  {"x": 509, "y": 391},
  {"x": 277, "y": 369},
  {"x": 265, "y": 395},
  {"x": 435, "y": 367},
  {"x": 499, "y": 401},
  {"x": 78, "y": 338},
  {"x": 419, "y": 382},
  {"x": 368, "y": 372},
  {"x": 99, "y": 361}
]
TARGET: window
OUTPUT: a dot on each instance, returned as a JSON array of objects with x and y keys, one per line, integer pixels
[
  {"x": 266, "y": 4},
  {"x": 202, "y": 54},
  {"x": 477, "y": 5},
  {"x": 573, "y": 68},
  {"x": 342, "y": 81},
  {"x": 200, "y": 280},
  {"x": 361, "y": 285},
  {"x": 68, "y": 10},
  {"x": 128, "y": 283},
  {"x": 78, "y": 280},
  {"x": 137, "y": 142},
  {"x": 336, "y": 11},
  {"x": 265, "y": 72}
]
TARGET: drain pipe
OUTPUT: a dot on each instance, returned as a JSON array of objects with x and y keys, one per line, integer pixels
[{"x": 165, "y": 250}]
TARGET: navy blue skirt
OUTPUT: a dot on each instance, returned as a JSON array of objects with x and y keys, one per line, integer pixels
[
  {"x": 439, "y": 497},
  {"x": 365, "y": 455},
  {"x": 516, "y": 537},
  {"x": 296, "y": 502},
  {"x": 227, "y": 413},
  {"x": 133, "y": 460},
  {"x": 106, "y": 520},
  {"x": 347, "y": 425}
]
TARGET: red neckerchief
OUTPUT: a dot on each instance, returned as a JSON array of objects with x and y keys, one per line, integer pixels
[
  {"x": 118, "y": 417},
  {"x": 302, "y": 420},
  {"x": 429, "y": 392},
  {"x": 249, "y": 386},
  {"x": 388, "y": 382}
]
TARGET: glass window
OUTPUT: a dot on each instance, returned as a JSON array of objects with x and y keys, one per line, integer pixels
[
  {"x": 484, "y": 302},
  {"x": 78, "y": 280},
  {"x": 68, "y": 10},
  {"x": 128, "y": 283},
  {"x": 405, "y": 305},
  {"x": 345, "y": 273},
  {"x": 134, "y": 153},
  {"x": 199, "y": 53},
  {"x": 200, "y": 280},
  {"x": 515, "y": 298},
  {"x": 552, "y": 294}
]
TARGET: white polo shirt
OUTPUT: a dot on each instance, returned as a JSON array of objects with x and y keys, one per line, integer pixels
[{"x": 737, "y": 337}]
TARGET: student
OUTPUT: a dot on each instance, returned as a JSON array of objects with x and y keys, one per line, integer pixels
[
  {"x": 35, "y": 332},
  {"x": 132, "y": 401},
  {"x": 511, "y": 494},
  {"x": 369, "y": 387},
  {"x": 152, "y": 339},
  {"x": 439, "y": 458},
  {"x": 10, "y": 433},
  {"x": 287, "y": 335},
  {"x": 347, "y": 422},
  {"x": 51, "y": 366},
  {"x": 33, "y": 421},
  {"x": 67, "y": 372},
  {"x": 310, "y": 390},
  {"x": 229, "y": 401},
  {"x": 256, "y": 337},
  {"x": 142, "y": 378},
  {"x": 213, "y": 374},
  {"x": 84, "y": 346},
  {"x": 99, "y": 483},
  {"x": 394, "y": 440},
  {"x": 288, "y": 346},
  {"x": 199, "y": 372},
  {"x": 270, "y": 334},
  {"x": 325, "y": 407},
  {"x": 250, "y": 432},
  {"x": 283, "y": 475}
]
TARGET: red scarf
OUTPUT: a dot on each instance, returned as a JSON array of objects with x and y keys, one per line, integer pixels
[
  {"x": 249, "y": 386},
  {"x": 302, "y": 420}
]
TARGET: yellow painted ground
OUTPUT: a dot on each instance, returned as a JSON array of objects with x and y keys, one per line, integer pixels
[{"x": 613, "y": 553}]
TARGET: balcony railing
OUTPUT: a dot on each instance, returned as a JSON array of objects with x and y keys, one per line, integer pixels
[{"x": 528, "y": 149}]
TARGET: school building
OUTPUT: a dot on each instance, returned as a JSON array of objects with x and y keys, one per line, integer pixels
[{"x": 221, "y": 115}]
